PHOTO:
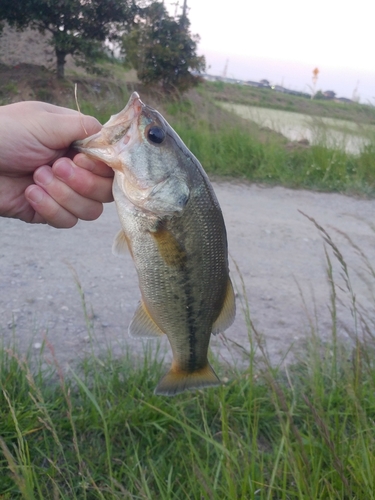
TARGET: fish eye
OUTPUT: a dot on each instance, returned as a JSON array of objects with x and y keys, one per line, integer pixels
[{"x": 156, "y": 135}]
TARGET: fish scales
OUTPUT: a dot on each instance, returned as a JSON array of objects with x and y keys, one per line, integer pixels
[
  {"x": 190, "y": 284},
  {"x": 173, "y": 225}
]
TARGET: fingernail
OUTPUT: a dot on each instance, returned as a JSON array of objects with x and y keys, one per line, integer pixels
[
  {"x": 35, "y": 194},
  {"x": 43, "y": 175},
  {"x": 63, "y": 169}
]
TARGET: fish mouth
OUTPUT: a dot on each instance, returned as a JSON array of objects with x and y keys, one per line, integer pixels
[{"x": 106, "y": 144}]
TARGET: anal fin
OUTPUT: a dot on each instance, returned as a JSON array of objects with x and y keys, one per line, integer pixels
[{"x": 142, "y": 325}]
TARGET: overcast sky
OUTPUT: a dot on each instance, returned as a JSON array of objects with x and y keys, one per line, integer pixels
[{"x": 284, "y": 40}]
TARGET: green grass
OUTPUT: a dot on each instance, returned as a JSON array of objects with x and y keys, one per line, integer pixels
[
  {"x": 233, "y": 152},
  {"x": 303, "y": 432}
]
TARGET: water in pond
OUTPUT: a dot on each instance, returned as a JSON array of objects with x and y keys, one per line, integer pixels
[{"x": 338, "y": 134}]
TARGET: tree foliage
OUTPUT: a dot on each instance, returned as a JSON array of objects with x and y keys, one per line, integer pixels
[
  {"x": 78, "y": 27},
  {"x": 162, "y": 50}
]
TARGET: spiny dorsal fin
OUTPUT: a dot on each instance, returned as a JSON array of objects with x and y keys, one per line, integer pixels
[
  {"x": 120, "y": 244},
  {"x": 142, "y": 325},
  {"x": 227, "y": 313}
]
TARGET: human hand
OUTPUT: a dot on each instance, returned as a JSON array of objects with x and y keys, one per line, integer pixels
[{"x": 38, "y": 184}]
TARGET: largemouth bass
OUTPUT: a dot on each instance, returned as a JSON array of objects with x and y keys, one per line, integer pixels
[{"x": 173, "y": 226}]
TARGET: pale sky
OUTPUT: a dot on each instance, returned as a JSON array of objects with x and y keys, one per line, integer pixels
[{"x": 284, "y": 40}]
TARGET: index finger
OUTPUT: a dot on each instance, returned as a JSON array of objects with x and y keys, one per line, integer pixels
[{"x": 95, "y": 166}]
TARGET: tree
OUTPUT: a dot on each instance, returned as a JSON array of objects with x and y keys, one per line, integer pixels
[
  {"x": 162, "y": 50},
  {"x": 78, "y": 27}
]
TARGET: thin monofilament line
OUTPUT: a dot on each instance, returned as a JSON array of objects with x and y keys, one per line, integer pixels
[{"x": 78, "y": 108}]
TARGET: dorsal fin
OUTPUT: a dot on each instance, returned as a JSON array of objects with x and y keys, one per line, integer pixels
[
  {"x": 142, "y": 325},
  {"x": 228, "y": 311}
]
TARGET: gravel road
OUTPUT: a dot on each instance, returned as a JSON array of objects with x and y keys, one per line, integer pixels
[{"x": 280, "y": 254}]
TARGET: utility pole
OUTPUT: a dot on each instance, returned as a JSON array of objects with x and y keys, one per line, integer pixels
[
  {"x": 184, "y": 8},
  {"x": 184, "y": 15},
  {"x": 225, "y": 71}
]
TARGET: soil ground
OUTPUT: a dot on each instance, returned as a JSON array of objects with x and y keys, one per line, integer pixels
[{"x": 278, "y": 251}]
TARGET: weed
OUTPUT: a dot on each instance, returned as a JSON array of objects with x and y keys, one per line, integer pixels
[
  {"x": 305, "y": 431},
  {"x": 10, "y": 88}
]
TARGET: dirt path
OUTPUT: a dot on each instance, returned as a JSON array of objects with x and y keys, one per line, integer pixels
[{"x": 277, "y": 249}]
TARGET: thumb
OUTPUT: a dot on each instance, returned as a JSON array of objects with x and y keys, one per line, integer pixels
[{"x": 65, "y": 129}]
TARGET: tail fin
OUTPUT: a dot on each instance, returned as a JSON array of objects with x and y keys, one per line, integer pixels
[{"x": 177, "y": 381}]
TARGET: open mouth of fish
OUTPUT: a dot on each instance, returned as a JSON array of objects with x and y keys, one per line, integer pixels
[
  {"x": 110, "y": 141},
  {"x": 136, "y": 143},
  {"x": 111, "y": 144}
]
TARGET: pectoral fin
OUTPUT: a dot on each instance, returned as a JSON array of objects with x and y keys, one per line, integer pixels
[
  {"x": 142, "y": 325},
  {"x": 227, "y": 313},
  {"x": 120, "y": 244}
]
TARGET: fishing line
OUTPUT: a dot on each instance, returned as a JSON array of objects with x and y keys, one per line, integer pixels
[{"x": 78, "y": 108}]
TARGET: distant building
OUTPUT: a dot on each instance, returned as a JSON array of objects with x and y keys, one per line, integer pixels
[
  {"x": 209, "y": 78},
  {"x": 279, "y": 88},
  {"x": 253, "y": 84},
  {"x": 265, "y": 83},
  {"x": 225, "y": 79},
  {"x": 329, "y": 94}
]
